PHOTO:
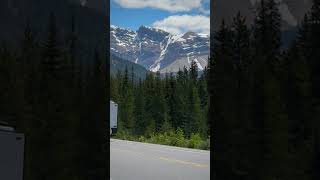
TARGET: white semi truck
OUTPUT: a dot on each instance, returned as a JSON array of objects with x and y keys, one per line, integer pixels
[
  {"x": 113, "y": 117},
  {"x": 11, "y": 153}
]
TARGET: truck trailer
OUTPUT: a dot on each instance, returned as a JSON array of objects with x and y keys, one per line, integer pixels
[
  {"x": 113, "y": 117},
  {"x": 11, "y": 153}
]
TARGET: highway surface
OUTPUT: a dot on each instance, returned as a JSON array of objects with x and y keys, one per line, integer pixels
[{"x": 142, "y": 161}]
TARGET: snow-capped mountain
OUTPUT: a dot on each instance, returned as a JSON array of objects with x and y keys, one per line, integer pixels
[{"x": 158, "y": 50}]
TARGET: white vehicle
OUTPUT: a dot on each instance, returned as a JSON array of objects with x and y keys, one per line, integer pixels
[
  {"x": 113, "y": 117},
  {"x": 11, "y": 153}
]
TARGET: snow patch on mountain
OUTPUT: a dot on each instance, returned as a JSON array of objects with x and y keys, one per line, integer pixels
[
  {"x": 156, "y": 66},
  {"x": 158, "y": 50}
]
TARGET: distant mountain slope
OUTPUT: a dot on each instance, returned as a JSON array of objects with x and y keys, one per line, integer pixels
[
  {"x": 157, "y": 50},
  {"x": 118, "y": 64}
]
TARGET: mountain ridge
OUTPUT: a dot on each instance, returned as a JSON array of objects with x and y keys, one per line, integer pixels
[
  {"x": 158, "y": 50},
  {"x": 118, "y": 64}
]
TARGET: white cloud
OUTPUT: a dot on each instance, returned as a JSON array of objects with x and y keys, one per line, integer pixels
[
  {"x": 167, "y": 5},
  {"x": 204, "y": 11},
  {"x": 179, "y": 24}
]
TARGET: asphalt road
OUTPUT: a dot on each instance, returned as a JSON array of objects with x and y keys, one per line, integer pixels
[{"x": 142, "y": 161}]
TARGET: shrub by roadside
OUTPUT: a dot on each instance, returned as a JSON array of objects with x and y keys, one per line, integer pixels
[{"x": 171, "y": 138}]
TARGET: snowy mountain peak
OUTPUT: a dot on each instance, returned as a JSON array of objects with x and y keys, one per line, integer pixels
[
  {"x": 113, "y": 27},
  {"x": 158, "y": 50},
  {"x": 190, "y": 35},
  {"x": 151, "y": 29}
]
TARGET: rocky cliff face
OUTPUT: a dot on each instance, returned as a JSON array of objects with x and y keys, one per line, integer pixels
[{"x": 158, "y": 50}]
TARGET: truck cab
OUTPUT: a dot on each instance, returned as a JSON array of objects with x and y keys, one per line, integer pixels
[
  {"x": 11, "y": 153},
  {"x": 113, "y": 117}
]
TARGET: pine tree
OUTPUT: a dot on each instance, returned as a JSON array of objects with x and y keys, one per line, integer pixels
[
  {"x": 132, "y": 76},
  {"x": 298, "y": 98},
  {"x": 221, "y": 70},
  {"x": 174, "y": 107},
  {"x": 240, "y": 131},
  {"x": 158, "y": 103},
  {"x": 139, "y": 111},
  {"x": 126, "y": 102},
  {"x": 269, "y": 114},
  {"x": 30, "y": 65},
  {"x": 182, "y": 100},
  {"x": 313, "y": 58},
  {"x": 51, "y": 95},
  {"x": 194, "y": 71},
  {"x": 72, "y": 43},
  {"x": 52, "y": 52},
  {"x": 195, "y": 115},
  {"x": 204, "y": 102}
]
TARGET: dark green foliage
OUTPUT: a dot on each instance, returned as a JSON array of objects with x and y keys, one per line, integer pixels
[
  {"x": 158, "y": 105},
  {"x": 264, "y": 102},
  {"x": 61, "y": 111}
]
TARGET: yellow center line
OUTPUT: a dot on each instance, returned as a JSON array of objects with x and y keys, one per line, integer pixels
[
  {"x": 184, "y": 162},
  {"x": 168, "y": 159}
]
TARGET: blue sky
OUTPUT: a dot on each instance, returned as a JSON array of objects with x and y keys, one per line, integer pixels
[{"x": 174, "y": 16}]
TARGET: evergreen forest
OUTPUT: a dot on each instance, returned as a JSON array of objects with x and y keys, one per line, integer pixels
[
  {"x": 57, "y": 101},
  {"x": 264, "y": 100},
  {"x": 168, "y": 109}
]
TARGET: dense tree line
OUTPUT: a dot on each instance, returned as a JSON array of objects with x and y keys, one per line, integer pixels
[
  {"x": 58, "y": 102},
  {"x": 161, "y": 103},
  {"x": 264, "y": 101}
]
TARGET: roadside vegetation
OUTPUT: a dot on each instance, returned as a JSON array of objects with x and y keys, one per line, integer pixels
[{"x": 171, "y": 138}]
